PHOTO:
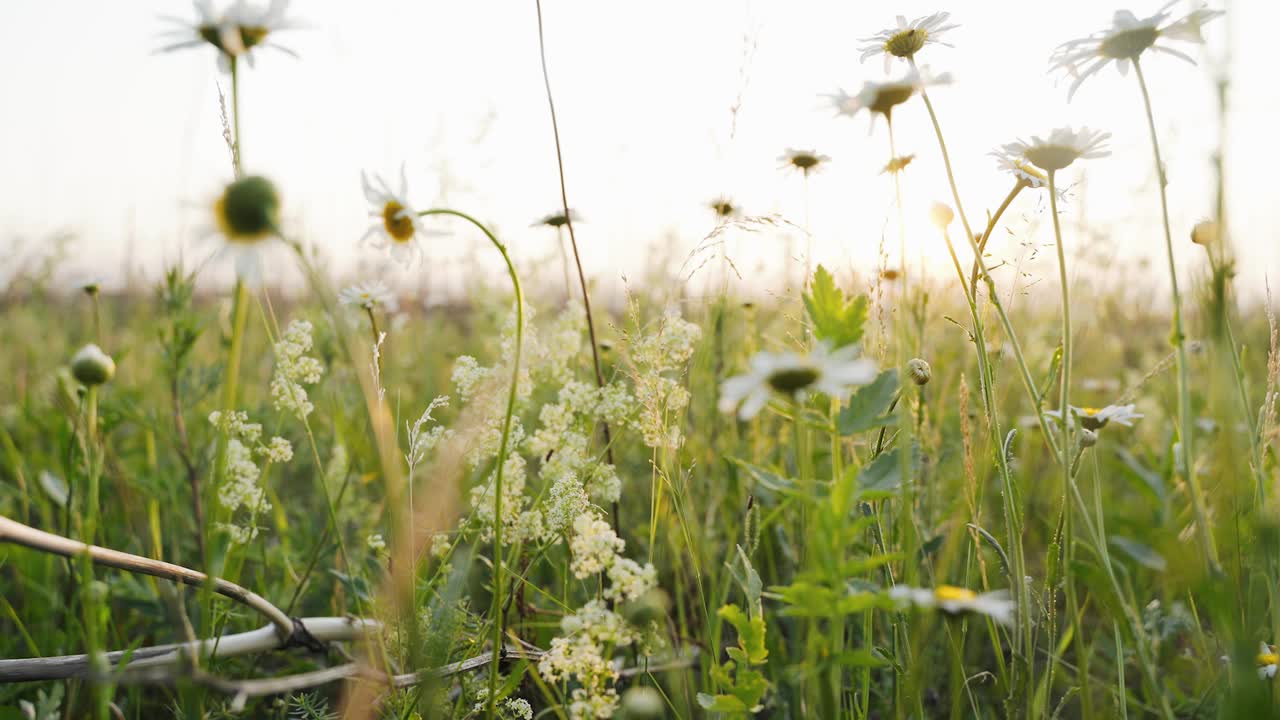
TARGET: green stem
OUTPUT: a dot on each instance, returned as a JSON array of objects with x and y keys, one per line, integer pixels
[
  {"x": 235, "y": 117},
  {"x": 498, "y": 595},
  {"x": 991, "y": 225},
  {"x": 1204, "y": 531}
]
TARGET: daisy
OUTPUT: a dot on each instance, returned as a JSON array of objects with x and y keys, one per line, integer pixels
[
  {"x": 234, "y": 32},
  {"x": 1268, "y": 661},
  {"x": 1097, "y": 418},
  {"x": 897, "y": 165},
  {"x": 905, "y": 40},
  {"x": 1021, "y": 168},
  {"x": 881, "y": 97},
  {"x": 559, "y": 219},
  {"x": 245, "y": 216},
  {"x": 1063, "y": 147},
  {"x": 806, "y": 161},
  {"x": 958, "y": 601},
  {"x": 1126, "y": 39},
  {"x": 723, "y": 207},
  {"x": 398, "y": 224},
  {"x": 795, "y": 376},
  {"x": 369, "y": 295}
]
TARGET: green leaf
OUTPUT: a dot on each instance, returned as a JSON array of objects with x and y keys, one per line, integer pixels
[
  {"x": 768, "y": 480},
  {"x": 722, "y": 703},
  {"x": 862, "y": 658},
  {"x": 869, "y": 406},
  {"x": 1143, "y": 554},
  {"x": 836, "y": 319},
  {"x": 882, "y": 477},
  {"x": 750, "y": 634}
]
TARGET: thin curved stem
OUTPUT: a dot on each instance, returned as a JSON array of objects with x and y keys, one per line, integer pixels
[
  {"x": 1065, "y": 392},
  {"x": 1204, "y": 532},
  {"x": 991, "y": 226},
  {"x": 499, "y": 628}
]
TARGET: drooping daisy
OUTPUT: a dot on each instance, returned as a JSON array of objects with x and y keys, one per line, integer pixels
[
  {"x": 1268, "y": 661},
  {"x": 905, "y": 40},
  {"x": 958, "y": 601},
  {"x": 880, "y": 98},
  {"x": 1063, "y": 147},
  {"x": 1097, "y": 418},
  {"x": 398, "y": 224},
  {"x": 558, "y": 219},
  {"x": 1126, "y": 39},
  {"x": 797, "y": 376},
  {"x": 245, "y": 216},
  {"x": 723, "y": 207},
  {"x": 369, "y": 296},
  {"x": 1021, "y": 168},
  {"x": 234, "y": 32},
  {"x": 804, "y": 161}
]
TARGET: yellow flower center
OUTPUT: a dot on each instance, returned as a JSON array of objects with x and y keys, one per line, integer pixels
[
  {"x": 804, "y": 161},
  {"x": 890, "y": 95},
  {"x": 398, "y": 226},
  {"x": 252, "y": 35},
  {"x": 1128, "y": 44},
  {"x": 1090, "y": 412},
  {"x": 1268, "y": 659},
  {"x": 906, "y": 43},
  {"x": 950, "y": 592}
]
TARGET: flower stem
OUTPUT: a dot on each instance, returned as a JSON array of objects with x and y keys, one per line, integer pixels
[
  {"x": 1065, "y": 392},
  {"x": 498, "y": 595},
  {"x": 1179, "y": 341},
  {"x": 235, "y": 117},
  {"x": 991, "y": 225}
]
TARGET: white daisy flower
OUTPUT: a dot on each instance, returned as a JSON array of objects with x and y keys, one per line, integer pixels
[
  {"x": 787, "y": 373},
  {"x": 398, "y": 223},
  {"x": 806, "y": 161},
  {"x": 558, "y": 219},
  {"x": 1268, "y": 661},
  {"x": 245, "y": 216},
  {"x": 369, "y": 295},
  {"x": 1063, "y": 147},
  {"x": 905, "y": 40},
  {"x": 881, "y": 97},
  {"x": 1021, "y": 168},
  {"x": 958, "y": 601},
  {"x": 1097, "y": 418},
  {"x": 1126, "y": 39},
  {"x": 234, "y": 32}
]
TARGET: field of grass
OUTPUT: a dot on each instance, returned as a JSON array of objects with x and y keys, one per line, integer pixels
[{"x": 861, "y": 498}]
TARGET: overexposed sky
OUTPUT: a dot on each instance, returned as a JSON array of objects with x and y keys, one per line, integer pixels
[{"x": 101, "y": 136}]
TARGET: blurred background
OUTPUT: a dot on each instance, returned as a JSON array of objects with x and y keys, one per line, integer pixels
[{"x": 112, "y": 153}]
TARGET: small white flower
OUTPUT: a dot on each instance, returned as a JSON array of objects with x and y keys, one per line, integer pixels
[
  {"x": 908, "y": 38},
  {"x": 398, "y": 224},
  {"x": 376, "y": 543},
  {"x": 822, "y": 371},
  {"x": 957, "y": 601},
  {"x": 1268, "y": 661},
  {"x": 879, "y": 98},
  {"x": 234, "y": 32},
  {"x": 1126, "y": 39},
  {"x": 1063, "y": 147},
  {"x": 369, "y": 296},
  {"x": 245, "y": 216},
  {"x": 1097, "y": 418},
  {"x": 806, "y": 161}
]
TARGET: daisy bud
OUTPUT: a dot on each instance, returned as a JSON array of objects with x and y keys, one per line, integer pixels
[
  {"x": 1088, "y": 438},
  {"x": 91, "y": 366},
  {"x": 643, "y": 703},
  {"x": 919, "y": 371},
  {"x": 248, "y": 209},
  {"x": 941, "y": 215},
  {"x": 649, "y": 607},
  {"x": 1205, "y": 233}
]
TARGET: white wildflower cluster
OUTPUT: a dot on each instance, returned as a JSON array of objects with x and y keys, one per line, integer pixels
[
  {"x": 594, "y": 545},
  {"x": 582, "y": 654},
  {"x": 294, "y": 369},
  {"x": 628, "y": 580},
  {"x": 508, "y": 709},
  {"x": 657, "y": 362},
  {"x": 518, "y": 523},
  {"x": 239, "y": 487},
  {"x": 376, "y": 543},
  {"x": 563, "y": 438}
]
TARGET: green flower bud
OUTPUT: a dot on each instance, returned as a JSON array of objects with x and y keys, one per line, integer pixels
[
  {"x": 643, "y": 703},
  {"x": 919, "y": 371},
  {"x": 91, "y": 366}
]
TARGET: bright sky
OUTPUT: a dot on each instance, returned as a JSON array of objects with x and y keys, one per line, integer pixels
[{"x": 102, "y": 137}]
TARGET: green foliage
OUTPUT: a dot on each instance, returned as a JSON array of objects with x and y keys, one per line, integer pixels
[
  {"x": 869, "y": 406},
  {"x": 836, "y": 319}
]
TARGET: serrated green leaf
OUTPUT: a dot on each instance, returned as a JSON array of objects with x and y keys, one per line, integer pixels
[{"x": 838, "y": 320}]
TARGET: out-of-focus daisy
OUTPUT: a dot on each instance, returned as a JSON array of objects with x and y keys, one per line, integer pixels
[
  {"x": 234, "y": 32},
  {"x": 369, "y": 295},
  {"x": 905, "y": 40},
  {"x": 880, "y": 98},
  {"x": 1097, "y": 418},
  {"x": 1268, "y": 661},
  {"x": 805, "y": 161},
  {"x": 723, "y": 207},
  {"x": 958, "y": 601},
  {"x": 1021, "y": 168},
  {"x": 558, "y": 219},
  {"x": 245, "y": 215},
  {"x": 398, "y": 224},
  {"x": 1126, "y": 39},
  {"x": 794, "y": 375},
  {"x": 897, "y": 165},
  {"x": 1063, "y": 147}
]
